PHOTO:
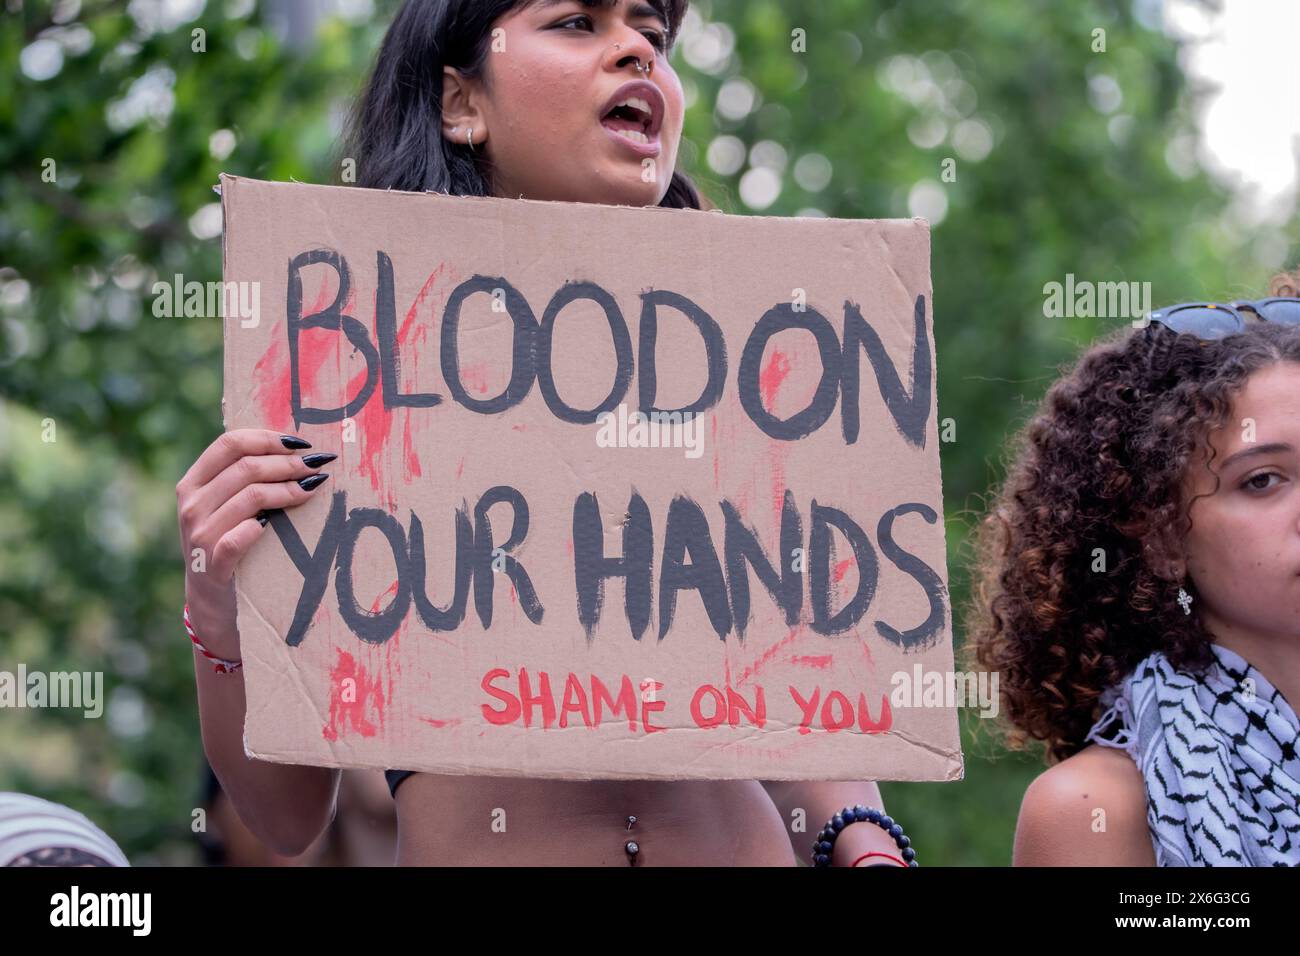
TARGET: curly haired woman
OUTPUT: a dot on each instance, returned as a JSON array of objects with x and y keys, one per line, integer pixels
[{"x": 1138, "y": 592}]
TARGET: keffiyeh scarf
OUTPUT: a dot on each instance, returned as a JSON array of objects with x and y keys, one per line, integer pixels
[{"x": 1218, "y": 754}]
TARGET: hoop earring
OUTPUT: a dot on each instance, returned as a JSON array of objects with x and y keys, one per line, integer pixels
[{"x": 470, "y": 139}]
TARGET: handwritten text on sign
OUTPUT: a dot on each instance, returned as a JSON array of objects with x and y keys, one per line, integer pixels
[{"x": 515, "y": 415}]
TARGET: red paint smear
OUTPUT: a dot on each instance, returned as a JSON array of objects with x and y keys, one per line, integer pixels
[
  {"x": 392, "y": 589},
  {"x": 770, "y": 379},
  {"x": 768, "y": 655},
  {"x": 776, "y": 453},
  {"x": 271, "y": 373},
  {"x": 518, "y": 428},
  {"x": 821, "y": 661},
  {"x": 440, "y": 724},
  {"x": 475, "y": 376},
  {"x": 390, "y": 646},
  {"x": 423, "y": 294},
  {"x": 374, "y": 423},
  {"x": 769, "y": 383},
  {"x": 842, "y": 567},
  {"x": 410, "y": 461},
  {"x": 460, "y": 468},
  {"x": 273, "y": 389},
  {"x": 354, "y": 712}
]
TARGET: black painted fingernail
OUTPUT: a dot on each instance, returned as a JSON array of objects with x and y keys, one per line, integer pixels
[
  {"x": 293, "y": 441},
  {"x": 311, "y": 481},
  {"x": 318, "y": 459},
  {"x": 262, "y": 518}
]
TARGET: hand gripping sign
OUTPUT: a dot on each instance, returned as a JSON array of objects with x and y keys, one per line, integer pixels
[{"x": 621, "y": 492}]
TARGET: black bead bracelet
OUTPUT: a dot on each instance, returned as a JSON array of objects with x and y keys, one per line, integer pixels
[{"x": 821, "y": 852}]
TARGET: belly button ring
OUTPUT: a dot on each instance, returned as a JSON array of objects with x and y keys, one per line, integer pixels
[{"x": 631, "y": 847}]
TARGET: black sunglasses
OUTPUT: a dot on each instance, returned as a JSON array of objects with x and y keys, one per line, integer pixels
[{"x": 1210, "y": 320}]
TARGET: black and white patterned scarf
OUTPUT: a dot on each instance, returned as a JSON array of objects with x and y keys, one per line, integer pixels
[{"x": 1218, "y": 754}]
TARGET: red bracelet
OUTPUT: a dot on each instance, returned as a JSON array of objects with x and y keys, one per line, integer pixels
[
  {"x": 220, "y": 665},
  {"x": 887, "y": 856}
]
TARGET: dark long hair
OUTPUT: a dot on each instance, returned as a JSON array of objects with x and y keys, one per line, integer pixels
[{"x": 394, "y": 133}]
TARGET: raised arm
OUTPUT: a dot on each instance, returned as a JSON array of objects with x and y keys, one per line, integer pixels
[{"x": 240, "y": 475}]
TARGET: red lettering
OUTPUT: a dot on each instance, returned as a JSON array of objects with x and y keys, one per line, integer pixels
[
  {"x": 510, "y": 713},
  {"x": 737, "y": 705},
  {"x": 626, "y": 700},
  {"x": 651, "y": 706},
  {"x": 575, "y": 700},
  {"x": 719, "y": 707},
  {"x": 807, "y": 707},
  {"x": 543, "y": 697},
  {"x": 865, "y": 723},
  {"x": 845, "y": 718}
]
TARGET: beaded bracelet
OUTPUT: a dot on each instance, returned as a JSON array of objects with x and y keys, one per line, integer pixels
[
  {"x": 220, "y": 665},
  {"x": 821, "y": 852}
]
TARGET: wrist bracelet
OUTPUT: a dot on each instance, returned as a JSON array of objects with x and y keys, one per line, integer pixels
[
  {"x": 887, "y": 856},
  {"x": 220, "y": 665},
  {"x": 825, "y": 844}
]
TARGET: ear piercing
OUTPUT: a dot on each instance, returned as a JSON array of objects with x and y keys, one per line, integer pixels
[
  {"x": 469, "y": 137},
  {"x": 1185, "y": 601}
]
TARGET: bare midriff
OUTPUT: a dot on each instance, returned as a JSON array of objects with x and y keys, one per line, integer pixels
[{"x": 507, "y": 821}]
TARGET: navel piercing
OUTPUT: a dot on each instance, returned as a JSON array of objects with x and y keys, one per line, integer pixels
[
  {"x": 632, "y": 848},
  {"x": 1185, "y": 601}
]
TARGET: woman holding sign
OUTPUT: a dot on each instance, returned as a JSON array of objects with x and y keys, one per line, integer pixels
[
  {"x": 1140, "y": 595},
  {"x": 545, "y": 100}
]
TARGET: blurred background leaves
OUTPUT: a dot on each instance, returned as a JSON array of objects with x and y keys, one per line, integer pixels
[{"x": 1066, "y": 160}]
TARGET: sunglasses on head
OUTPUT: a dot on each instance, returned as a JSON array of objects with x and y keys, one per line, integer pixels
[{"x": 1210, "y": 320}]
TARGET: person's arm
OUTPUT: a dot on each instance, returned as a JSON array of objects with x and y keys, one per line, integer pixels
[
  {"x": 1089, "y": 810},
  {"x": 237, "y": 477},
  {"x": 821, "y": 800},
  {"x": 285, "y": 806}
]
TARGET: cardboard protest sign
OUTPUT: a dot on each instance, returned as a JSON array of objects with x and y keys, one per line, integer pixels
[{"x": 622, "y": 492}]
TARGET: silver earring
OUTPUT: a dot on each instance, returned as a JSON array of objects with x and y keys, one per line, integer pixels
[
  {"x": 470, "y": 138},
  {"x": 1185, "y": 601}
]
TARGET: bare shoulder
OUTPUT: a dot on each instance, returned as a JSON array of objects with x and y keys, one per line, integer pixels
[{"x": 1087, "y": 810}]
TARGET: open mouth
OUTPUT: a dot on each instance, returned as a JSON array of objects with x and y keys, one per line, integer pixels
[
  {"x": 635, "y": 112},
  {"x": 630, "y": 119}
]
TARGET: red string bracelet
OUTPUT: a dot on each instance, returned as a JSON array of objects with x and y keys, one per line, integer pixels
[
  {"x": 220, "y": 665},
  {"x": 887, "y": 856}
]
